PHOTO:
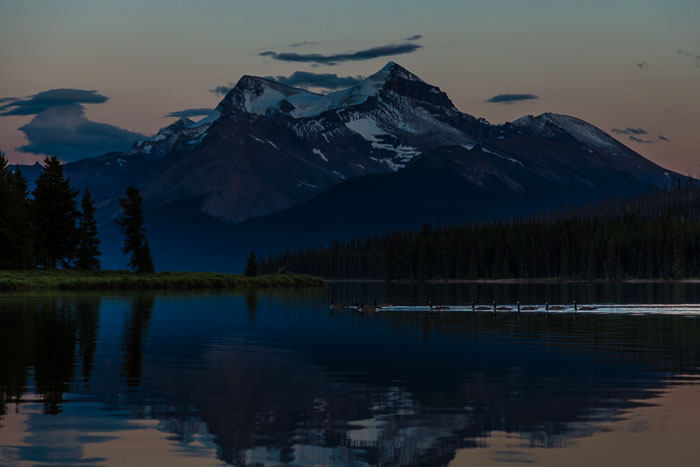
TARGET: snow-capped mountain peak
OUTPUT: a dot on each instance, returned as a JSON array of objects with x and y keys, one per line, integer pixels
[{"x": 261, "y": 96}]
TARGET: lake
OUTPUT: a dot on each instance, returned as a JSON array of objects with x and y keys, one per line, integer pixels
[{"x": 274, "y": 377}]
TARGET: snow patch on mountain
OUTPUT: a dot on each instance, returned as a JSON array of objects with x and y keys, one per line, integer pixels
[
  {"x": 320, "y": 153},
  {"x": 548, "y": 125},
  {"x": 514, "y": 161}
]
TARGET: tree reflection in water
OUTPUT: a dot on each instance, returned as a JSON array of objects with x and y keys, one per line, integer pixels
[{"x": 289, "y": 383}]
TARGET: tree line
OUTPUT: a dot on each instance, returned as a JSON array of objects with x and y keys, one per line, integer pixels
[
  {"x": 652, "y": 236},
  {"x": 45, "y": 228}
]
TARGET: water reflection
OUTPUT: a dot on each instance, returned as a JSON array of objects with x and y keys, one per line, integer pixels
[
  {"x": 135, "y": 337},
  {"x": 272, "y": 377}
]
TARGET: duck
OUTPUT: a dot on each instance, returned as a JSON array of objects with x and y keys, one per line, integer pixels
[
  {"x": 442, "y": 308},
  {"x": 587, "y": 308},
  {"x": 337, "y": 307},
  {"x": 374, "y": 307}
]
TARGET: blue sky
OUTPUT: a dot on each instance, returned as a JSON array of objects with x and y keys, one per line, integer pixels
[{"x": 617, "y": 64}]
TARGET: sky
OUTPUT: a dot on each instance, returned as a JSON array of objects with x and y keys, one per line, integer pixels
[{"x": 80, "y": 78}]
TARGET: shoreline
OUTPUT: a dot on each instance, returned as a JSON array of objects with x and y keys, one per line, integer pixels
[
  {"x": 13, "y": 281},
  {"x": 517, "y": 281}
]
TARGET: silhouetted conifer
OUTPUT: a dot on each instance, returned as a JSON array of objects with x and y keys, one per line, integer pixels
[
  {"x": 251, "y": 267},
  {"x": 135, "y": 242},
  {"x": 88, "y": 251},
  {"x": 54, "y": 216}
]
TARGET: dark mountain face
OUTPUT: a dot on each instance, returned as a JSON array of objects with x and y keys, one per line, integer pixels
[{"x": 277, "y": 166}]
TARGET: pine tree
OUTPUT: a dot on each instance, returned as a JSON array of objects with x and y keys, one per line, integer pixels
[
  {"x": 251, "y": 267},
  {"x": 7, "y": 221},
  {"x": 135, "y": 242},
  {"x": 23, "y": 256},
  {"x": 54, "y": 216},
  {"x": 88, "y": 251},
  {"x": 15, "y": 232}
]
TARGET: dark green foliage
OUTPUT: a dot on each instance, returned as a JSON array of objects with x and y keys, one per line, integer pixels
[
  {"x": 135, "y": 242},
  {"x": 88, "y": 250},
  {"x": 653, "y": 236},
  {"x": 54, "y": 216},
  {"x": 251, "y": 267},
  {"x": 16, "y": 251}
]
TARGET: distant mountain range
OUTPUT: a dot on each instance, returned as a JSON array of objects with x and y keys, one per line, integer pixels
[{"x": 280, "y": 167}]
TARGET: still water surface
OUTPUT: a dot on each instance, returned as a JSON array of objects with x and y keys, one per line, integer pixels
[{"x": 273, "y": 377}]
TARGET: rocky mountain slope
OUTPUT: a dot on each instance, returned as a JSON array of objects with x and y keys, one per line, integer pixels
[{"x": 392, "y": 151}]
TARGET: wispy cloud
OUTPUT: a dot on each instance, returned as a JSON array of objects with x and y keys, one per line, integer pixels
[
  {"x": 638, "y": 135},
  {"x": 685, "y": 53},
  {"x": 306, "y": 79},
  {"x": 511, "y": 98},
  {"x": 414, "y": 37},
  {"x": 60, "y": 126},
  {"x": 222, "y": 90},
  {"x": 187, "y": 113},
  {"x": 334, "y": 59},
  {"x": 629, "y": 131},
  {"x": 303, "y": 44},
  {"x": 642, "y": 66},
  {"x": 640, "y": 140}
]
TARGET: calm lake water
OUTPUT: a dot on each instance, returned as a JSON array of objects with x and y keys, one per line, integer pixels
[{"x": 273, "y": 377}]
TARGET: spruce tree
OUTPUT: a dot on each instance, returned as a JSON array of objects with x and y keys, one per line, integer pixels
[
  {"x": 88, "y": 250},
  {"x": 135, "y": 242},
  {"x": 54, "y": 216},
  {"x": 7, "y": 221},
  {"x": 23, "y": 254},
  {"x": 251, "y": 267}
]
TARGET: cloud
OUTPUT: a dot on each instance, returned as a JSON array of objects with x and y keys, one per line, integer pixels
[
  {"x": 629, "y": 131},
  {"x": 642, "y": 65},
  {"x": 60, "y": 127},
  {"x": 187, "y": 113},
  {"x": 640, "y": 140},
  {"x": 222, "y": 90},
  {"x": 510, "y": 98},
  {"x": 39, "y": 102},
  {"x": 414, "y": 37},
  {"x": 637, "y": 135},
  {"x": 8, "y": 99},
  {"x": 333, "y": 59},
  {"x": 64, "y": 130},
  {"x": 685, "y": 53},
  {"x": 303, "y": 43},
  {"x": 306, "y": 79}
]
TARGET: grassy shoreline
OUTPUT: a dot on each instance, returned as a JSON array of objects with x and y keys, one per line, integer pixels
[{"x": 126, "y": 280}]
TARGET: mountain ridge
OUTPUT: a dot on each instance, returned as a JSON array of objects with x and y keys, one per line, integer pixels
[{"x": 269, "y": 152}]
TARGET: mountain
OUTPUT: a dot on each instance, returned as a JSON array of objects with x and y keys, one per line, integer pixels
[{"x": 276, "y": 166}]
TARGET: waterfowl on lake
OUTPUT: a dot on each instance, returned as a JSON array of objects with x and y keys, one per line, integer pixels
[
  {"x": 557, "y": 307},
  {"x": 529, "y": 308},
  {"x": 442, "y": 308},
  {"x": 337, "y": 307},
  {"x": 587, "y": 308}
]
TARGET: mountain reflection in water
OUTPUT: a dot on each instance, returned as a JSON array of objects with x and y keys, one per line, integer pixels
[{"x": 274, "y": 377}]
